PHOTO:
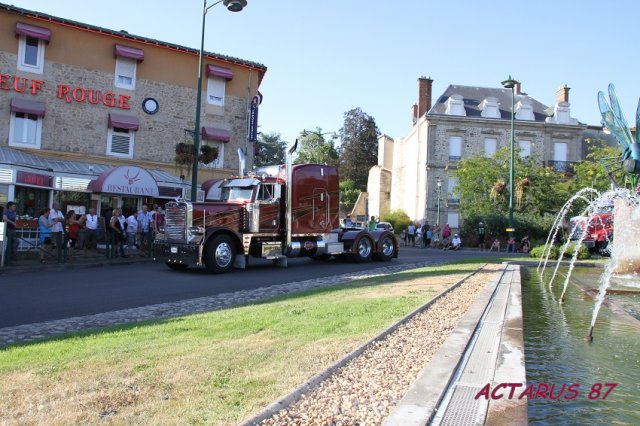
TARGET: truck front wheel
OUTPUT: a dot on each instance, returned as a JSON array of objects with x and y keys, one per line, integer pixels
[
  {"x": 364, "y": 250},
  {"x": 220, "y": 254}
]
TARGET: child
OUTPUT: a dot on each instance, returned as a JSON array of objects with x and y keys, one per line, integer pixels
[{"x": 495, "y": 245}]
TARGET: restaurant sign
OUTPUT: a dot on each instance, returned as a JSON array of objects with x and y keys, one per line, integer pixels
[
  {"x": 126, "y": 180},
  {"x": 67, "y": 93},
  {"x": 35, "y": 179}
]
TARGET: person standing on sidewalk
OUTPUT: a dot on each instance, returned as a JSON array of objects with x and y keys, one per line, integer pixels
[
  {"x": 9, "y": 217},
  {"x": 144, "y": 227},
  {"x": 90, "y": 221},
  {"x": 411, "y": 234},
  {"x": 132, "y": 232},
  {"x": 44, "y": 231},
  {"x": 57, "y": 219},
  {"x": 481, "y": 236}
]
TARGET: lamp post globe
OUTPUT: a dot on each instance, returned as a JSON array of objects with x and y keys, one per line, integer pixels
[
  {"x": 510, "y": 83},
  {"x": 233, "y": 6}
]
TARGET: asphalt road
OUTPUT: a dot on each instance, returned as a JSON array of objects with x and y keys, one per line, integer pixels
[{"x": 32, "y": 297}]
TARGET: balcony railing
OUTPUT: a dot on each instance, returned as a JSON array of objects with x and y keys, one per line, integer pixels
[{"x": 561, "y": 166}]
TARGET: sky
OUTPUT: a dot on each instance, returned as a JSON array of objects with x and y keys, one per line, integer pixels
[{"x": 326, "y": 57}]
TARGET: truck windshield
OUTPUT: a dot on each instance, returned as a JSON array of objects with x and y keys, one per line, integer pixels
[{"x": 237, "y": 193}]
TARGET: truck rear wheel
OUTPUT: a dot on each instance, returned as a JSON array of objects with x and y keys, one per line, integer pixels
[
  {"x": 364, "y": 250},
  {"x": 220, "y": 254},
  {"x": 387, "y": 248}
]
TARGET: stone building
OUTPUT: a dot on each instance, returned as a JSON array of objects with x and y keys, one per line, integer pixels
[
  {"x": 77, "y": 101},
  {"x": 415, "y": 171}
]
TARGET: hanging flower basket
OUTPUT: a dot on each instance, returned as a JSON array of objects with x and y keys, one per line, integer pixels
[
  {"x": 184, "y": 154},
  {"x": 208, "y": 154}
]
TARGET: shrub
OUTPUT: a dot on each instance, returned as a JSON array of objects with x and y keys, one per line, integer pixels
[
  {"x": 398, "y": 219},
  {"x": 583, "y": 251},
  {"x": 538, "y": 251}
]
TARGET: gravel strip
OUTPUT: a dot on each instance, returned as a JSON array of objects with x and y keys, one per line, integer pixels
[{"x": 367, "y": 388}]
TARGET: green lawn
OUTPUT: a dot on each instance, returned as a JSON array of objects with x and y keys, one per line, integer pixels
[{"x": 213, "y": 368}]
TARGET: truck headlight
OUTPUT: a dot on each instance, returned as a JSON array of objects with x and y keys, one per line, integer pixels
[{"x": 196, "y": 230}]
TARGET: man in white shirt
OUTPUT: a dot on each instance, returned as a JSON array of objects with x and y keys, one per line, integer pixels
[
  {"x": 57, "y": 219},
  {"x": 456, "y": 242},
  {"x": 90, "y": 221},
  {"x": 411, "y": 233},
  {"x": 132, "y": 231}
]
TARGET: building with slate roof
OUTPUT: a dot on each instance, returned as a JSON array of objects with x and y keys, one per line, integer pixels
[
  {"x": 466, "y": 121},
  {"x": 80, "y": 104}
]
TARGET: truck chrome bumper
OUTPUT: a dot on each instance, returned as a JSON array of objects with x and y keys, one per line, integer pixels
[{"x": 187, "y": 254}]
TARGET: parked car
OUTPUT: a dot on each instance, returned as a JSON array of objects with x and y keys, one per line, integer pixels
[{"x": 385, "y": 226}]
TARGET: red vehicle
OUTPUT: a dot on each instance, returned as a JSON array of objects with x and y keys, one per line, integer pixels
[
  {"x": 276, "y": 213},
  {"x": 597, "y": 229}
]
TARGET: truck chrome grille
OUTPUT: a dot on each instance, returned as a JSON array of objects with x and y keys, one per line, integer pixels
[{"x": 175, "y": 222}]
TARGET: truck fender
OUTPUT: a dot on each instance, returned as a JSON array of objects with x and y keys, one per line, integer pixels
[{"x": 212, "y": 232}]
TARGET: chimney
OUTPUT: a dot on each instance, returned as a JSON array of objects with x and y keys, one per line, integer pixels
[
  {"x": 562, "y": 94},
  {"x": 518, "y": 89},
  {"x": 414, "y": 113},
  {"x": 424, "y": 95}
]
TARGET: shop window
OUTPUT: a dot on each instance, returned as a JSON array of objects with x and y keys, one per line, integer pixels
[
  {"x": 218, "y": 163},
  {"x": 120, "y": 142},
  {"x": 216, "y": 90},
  {"x": 126, "y": 73},
  {"x": 25, "y": 130},
  {"x": 31, "y": 54}
]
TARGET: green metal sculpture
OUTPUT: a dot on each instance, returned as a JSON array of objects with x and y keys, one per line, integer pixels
[{"x": 613, "y": 119}]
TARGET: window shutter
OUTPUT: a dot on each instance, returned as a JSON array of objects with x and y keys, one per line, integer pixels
[{"x": 120, "y": 144}]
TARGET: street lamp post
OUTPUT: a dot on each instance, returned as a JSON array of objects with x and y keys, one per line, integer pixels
[
  {"x": 510, "y": 83},
  {"x": 233, "y": 6},
  {"x": 439, "y": 191}
]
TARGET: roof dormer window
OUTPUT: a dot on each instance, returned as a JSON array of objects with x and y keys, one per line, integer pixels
[
  {"x": 524, "y": 109},
  {"x": 490, "y": 108},
  {"x": 455, "y": 106}
]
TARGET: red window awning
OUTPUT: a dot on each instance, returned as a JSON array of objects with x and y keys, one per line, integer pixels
[
  {"x": 124, "y": 121},
  {"x": 216, "y": 134},
  {"x": 33, "y": 31},
  {"x": 28, "y": 107},
  {"x": 216, "y": 71},
  {"x": 128, "y": 52}
]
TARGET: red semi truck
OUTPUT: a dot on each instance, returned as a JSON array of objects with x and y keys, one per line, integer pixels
[
  {"x": 275, "y": 213},
  {"x": 597, "y": 229}
]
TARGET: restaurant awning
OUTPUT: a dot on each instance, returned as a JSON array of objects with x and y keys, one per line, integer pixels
[{"x": 126, "y": 180}]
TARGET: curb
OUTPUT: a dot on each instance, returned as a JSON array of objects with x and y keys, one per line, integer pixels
[
  {"x": 289, "y": 399},
  {"x": 71, "y": 265}
]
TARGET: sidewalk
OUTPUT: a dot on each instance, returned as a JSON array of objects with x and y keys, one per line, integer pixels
[{"x": 29, "y": 262}]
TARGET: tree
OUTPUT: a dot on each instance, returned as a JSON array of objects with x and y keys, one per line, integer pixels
[
  {"x": 482, "y": 186},
  {"x": 359, "y": 151},
  {"x": 348, "y": 195},
  {"x": 591, "y": 173},
  {"x": 270, "y": 150},
  {"x": 314, "y": 148}
]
